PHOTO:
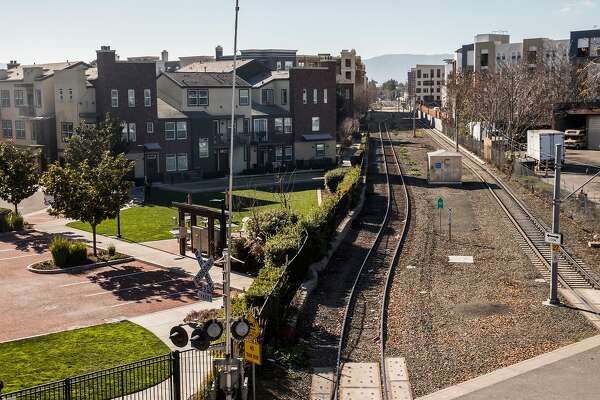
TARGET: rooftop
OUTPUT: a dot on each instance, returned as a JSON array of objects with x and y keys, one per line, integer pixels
[
  {"x": 204, "y": 79},
  {"x": 213, "y": 66},
  {"x": 16, "y": 74}
]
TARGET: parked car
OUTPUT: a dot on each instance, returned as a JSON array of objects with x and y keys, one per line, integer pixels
[{"x": 575, "y": 139}]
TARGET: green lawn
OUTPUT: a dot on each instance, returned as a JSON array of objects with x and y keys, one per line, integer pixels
[
  {"x": 153, "y": 222},
  {"x": 49, "y": 358}
]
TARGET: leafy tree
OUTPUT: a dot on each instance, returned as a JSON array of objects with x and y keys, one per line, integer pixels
[
  {"x": 89, "y": 193},
  {"x": 390, "y": 85},
  {"x": 90, "y": 142},
  {"x": 19, "y": 176}
]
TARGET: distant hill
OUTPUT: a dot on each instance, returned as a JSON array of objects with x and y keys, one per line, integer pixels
[{"x": 396, "y": 66}]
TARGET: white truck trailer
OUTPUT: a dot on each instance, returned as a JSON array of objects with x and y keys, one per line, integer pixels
[{"x": 541, "y": 145}]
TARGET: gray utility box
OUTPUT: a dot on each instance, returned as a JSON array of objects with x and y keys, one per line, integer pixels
[{"x": 444, "y": 167}]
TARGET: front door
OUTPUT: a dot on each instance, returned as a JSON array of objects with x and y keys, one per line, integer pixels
[
  {"x": 152, "y": 165},
  {"x": 263, "y": 158},
  {"x": 223, "y": 160}
]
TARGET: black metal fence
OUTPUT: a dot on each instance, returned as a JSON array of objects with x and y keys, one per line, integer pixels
[{"x": 172, "y": 376}]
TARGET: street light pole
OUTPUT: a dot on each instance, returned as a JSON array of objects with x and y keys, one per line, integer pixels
[
  {"x": 227, "y": 269},
  {"x": 414, "y": 118},
  {"x": 555, "y": 227}
]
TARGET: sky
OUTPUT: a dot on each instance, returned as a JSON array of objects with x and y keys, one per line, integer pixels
[{"x": 58, "y": 30}]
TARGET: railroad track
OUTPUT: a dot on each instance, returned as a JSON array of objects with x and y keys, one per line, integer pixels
[
  {"x": 362, "y": 336},
  {"x": 572, "y": 272}
]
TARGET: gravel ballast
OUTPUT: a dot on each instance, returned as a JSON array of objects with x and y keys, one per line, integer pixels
[{"x": 454, "y": 322}]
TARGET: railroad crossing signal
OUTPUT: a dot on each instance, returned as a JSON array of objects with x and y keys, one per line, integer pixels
[
  {"x": 440, "y": 203},
  {"x": 205, "y": 289}
]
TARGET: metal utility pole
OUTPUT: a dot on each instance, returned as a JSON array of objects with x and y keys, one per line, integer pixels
[
  {"x": 456, "y": 122},
  {"x": 414, "y": 118},
  {"x": 555, "y": 226},
  {"x": 227, "y": 269}
]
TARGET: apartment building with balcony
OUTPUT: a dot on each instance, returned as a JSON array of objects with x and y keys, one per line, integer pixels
[
  {"x": 426, "y": 83},
  {"x": 28, "y": 106}
]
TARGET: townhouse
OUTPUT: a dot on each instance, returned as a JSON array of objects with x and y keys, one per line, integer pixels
[{"x": 28, "y": 103}]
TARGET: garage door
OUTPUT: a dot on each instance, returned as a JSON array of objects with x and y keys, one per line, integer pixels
[{"x": 593, "y": 132}]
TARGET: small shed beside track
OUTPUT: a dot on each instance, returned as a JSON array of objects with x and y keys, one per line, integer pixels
[{"x": 444, "y": 167}]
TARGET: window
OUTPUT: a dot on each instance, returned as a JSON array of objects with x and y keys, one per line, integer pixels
[
  {"x": 260, "y": 125},
  {"x": 279, "y": 153},
  {"x": 348, "y": 74},
  {"x": 347, "y": 94},
  {"x": 197, "y": 97},
  {"x": 114, "y": 98},
  {"x": 348, "y": 63},
  {"x": 418, "y": 90},
  {"x": 147, "y": 98},
  {"x": 66, "y": 130},
  {"x": 244, "y": 97},
  {"x": 288, "y": 153},
  {"x": 246, "y": 125},
  {"x": 439, "y": 72},
  {"x": 278, "y": 125},
  {"x": 7, "y": 128},
  {"x": 171, "y": 161},
  {"x": 289, "y": 64},
  {"x": 315, "y": 96},
  {"x": 320, "y": 150},
  {"x": 132, "y": 136},
  {"x": 279, "y": 65},
  {"x": 419, "y": 73},
  {"x": 20, "y": 129},
  {"x": 203, "y": 148},
  {"x": 70, "y": 95},
  {"x": 181, "y": 130},
  {"x": 19, "y": 98},
  {"x": 38, "y": 98},
  {"x": 182, "y": 162},
  {"x": 288, "y": 125},
  {"x": 325, "y": 96},
  {"x": 284, "y": 99},
  {"x": 4, "y": 98},
  {"x": 595, "y": 47},
  {"x": 150, "y": 127},
  {"x": 316, "y": 122},
  {"x": 583, "y": 47},
  {"x": 483, "y": 62},
  {"x": 170, "y": 130},
  {"x": 217, "y": 126},
  {"x": 304, "y": 96},
  {"x": 267, "y": 97},
  {"x": 131, "y": 98}
]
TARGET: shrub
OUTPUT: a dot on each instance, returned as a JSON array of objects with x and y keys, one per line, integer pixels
[
  {"x": 5, "y": 225},
  {"x": 59, "y": 248},
  {"x": 77, "y": 253},
  {"x": 333, "y": 178},
  {"x": 67, "y": 253},
  {"x": 111, "y": 250},
  {"x": 282, "y": 245},
  {"x": 16, "y": 222},
  {"x": 269, "y": 223},
  {"x": 262, "y": 285}
]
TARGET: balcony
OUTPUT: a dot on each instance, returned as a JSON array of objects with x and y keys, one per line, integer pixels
[
  {"x": 260, "y": 137},
  {"x": 222, "y": 140},
  {"x": 26, "y": 111}
]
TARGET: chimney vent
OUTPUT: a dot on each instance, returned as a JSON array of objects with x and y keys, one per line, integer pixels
[
  {"x": 12, "y": 64},
  {"x": 164, "y": 56},
  {"x": 218, "y": 52}
]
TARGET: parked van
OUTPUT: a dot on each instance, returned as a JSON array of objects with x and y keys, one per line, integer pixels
[{"x": 575, "y": 139}]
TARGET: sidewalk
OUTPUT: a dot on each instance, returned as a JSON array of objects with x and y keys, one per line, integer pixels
[
  {"x": 143, "y": 253},
  {"x": 567, "y": 373}
]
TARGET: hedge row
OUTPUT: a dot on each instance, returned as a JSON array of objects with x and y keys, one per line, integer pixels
[{"x": 318, "y": 227}]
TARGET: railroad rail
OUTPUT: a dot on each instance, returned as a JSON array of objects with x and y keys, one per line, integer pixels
[
  {"x": 572, "y": 272},
  {"x": 361, "y": 326}
]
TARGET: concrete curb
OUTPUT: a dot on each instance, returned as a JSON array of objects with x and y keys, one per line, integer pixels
[
  {"x": 462, "y": 389},
  {"x": 80, "y": 268}
]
